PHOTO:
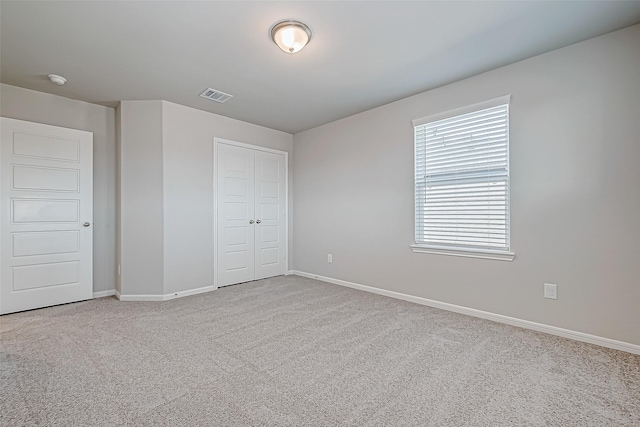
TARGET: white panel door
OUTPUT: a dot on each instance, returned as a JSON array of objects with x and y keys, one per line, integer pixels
[
  {"x": 46, "y": 205},
  {"x": 235, "y": 201},
  {"x": 251, "y": 214},
  {"x": 270, "y": 214}
]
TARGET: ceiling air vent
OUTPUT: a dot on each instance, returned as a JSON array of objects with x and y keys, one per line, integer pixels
[{"x": 216, "y": 95}]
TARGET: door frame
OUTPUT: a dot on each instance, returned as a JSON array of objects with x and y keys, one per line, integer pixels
[{"x": 216, "y": 142}]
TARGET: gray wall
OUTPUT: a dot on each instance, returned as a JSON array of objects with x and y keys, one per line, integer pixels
[
  {"x": 118, "y": 228},
  {"x": 575, "y": 203},
  {"x": 140, "y": 214},
  {"x": 188, "y": 188},
  {"x": 166, "y": 185},
  {"x": 29, "y": 105}
]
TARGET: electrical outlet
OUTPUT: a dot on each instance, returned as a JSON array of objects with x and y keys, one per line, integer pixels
[
  {"x": 329, "y": 258},
  {"x": 550, "y": 291}
]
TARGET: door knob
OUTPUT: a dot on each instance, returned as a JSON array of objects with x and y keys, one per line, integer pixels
[
  {"x": 86, "y": 224},
  {"x": 258, "y": 221},
  {"x": 250, "y": 221}
]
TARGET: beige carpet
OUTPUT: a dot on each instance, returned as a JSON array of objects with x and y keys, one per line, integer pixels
[{"x": 291, "y": 351}]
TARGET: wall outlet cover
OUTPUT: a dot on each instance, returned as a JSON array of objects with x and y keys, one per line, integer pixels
[{"x": 550, "y": 291}]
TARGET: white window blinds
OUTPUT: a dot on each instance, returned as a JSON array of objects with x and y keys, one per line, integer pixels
[{"x": 462, "y": 180}]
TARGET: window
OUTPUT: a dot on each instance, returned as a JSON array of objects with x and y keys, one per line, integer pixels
[{"x": 462, "y": 182}]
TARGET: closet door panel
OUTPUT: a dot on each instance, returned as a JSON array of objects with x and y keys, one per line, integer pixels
[
  {"x": 236, "y": 212},
  {"x": 270, "y": 199}
]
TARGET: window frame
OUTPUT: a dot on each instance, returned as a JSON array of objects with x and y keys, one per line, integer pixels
[{"x": 462, "y": 251}]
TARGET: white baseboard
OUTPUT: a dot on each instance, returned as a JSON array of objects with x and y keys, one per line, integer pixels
[
  {"x": 101, "y": 294},
  {"x": 165, "y": 297},
  {"x": 129, "y": 298},
  {"x": 289, "y": 273},
  {"x": 196, "y": 291},
  {"x": 513, "y": 321}
]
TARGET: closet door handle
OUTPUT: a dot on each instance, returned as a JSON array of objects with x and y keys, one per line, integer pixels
[
  {"x": 250, "y": 221},
  {"x": 258, "y": 221}
]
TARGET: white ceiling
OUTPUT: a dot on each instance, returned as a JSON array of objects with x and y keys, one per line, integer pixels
[{"x": 363, "y": 54}]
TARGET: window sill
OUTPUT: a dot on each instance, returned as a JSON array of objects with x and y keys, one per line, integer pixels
[{"x": 469, "y": 253}]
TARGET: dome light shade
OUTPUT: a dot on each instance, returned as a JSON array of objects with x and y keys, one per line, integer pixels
[{"x": 290, "y": 36}]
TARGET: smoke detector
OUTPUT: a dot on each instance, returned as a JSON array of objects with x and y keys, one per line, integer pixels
[
  {"x": 59, "y": 80},
  {"x": 216, "y": 95}
]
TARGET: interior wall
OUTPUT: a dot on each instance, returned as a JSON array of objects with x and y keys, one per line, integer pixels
[
  {"x": 118, "y": 227},
  {"x": 141, "y": 206},
  {"x": 33, "y": 106},
  {"x": 188, "y": 188},
  {"x": 575, "y": 204},
  {"x": 166, "y": 192}
]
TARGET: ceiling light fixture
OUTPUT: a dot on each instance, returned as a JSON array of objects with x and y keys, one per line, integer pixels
[
  {"x": 290, "y": 36},
  {"x": 59, "y": 80}
]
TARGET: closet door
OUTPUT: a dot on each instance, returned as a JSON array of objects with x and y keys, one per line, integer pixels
[
  {"x": 236, "y": 204},
  {"x": 251, "y": 214},
  {"x": 270, "y": 214}
]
